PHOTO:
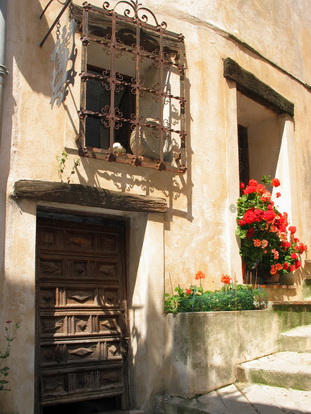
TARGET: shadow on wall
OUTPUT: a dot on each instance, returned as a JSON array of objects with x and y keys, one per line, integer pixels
[{"x": 31, "y": 59}]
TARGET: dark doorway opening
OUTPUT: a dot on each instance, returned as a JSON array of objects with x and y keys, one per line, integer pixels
[{"x": 85, "y": 407}]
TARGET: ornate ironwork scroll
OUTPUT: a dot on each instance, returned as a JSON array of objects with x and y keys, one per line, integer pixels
[{"x": 64, "y": 54}]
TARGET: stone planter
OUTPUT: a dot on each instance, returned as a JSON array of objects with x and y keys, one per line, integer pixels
[{"x": 205, "y": 347}]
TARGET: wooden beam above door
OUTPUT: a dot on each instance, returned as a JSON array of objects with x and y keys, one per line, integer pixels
[{"x": 84, "y": 195}]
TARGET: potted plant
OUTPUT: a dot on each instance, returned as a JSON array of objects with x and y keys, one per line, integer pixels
[{"x": 269, "y": 247}]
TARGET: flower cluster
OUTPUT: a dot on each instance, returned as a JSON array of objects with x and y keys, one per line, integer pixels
[
  {"x": 199, "y": 275},
  {"x": 267, "y": 241},
  {"x": 226, "y": 279}
]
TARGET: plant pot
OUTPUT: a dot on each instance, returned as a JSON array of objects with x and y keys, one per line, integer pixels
[
  {"x": 287, "y": 279},
  {"x": 271, "y": 279}
]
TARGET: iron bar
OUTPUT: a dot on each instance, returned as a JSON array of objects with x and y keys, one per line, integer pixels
[
  {"x": 45, "y": 8},
  {"x": 162, "y": 99},
  {"x": 83, "y": 86},
  {"x": 112, "y": 82},
  {"x": 55, "y": 22}
]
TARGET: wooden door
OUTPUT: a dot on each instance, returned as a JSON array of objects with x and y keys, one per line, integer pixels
[{"x": 81, "y": 329}]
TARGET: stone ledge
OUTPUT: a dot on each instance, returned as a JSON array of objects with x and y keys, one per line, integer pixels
[
  {"x": 300, "y": 306},
  {"x": 293, "y": 302},
  {"x": 276, "y": 286}
]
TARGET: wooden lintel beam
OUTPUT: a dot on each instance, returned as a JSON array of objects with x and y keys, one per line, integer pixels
[
  {"x": 84, "y": 195},
  {"x": 250, "y": 85}
]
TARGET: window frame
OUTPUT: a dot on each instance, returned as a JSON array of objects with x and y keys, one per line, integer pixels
[{"x": 161, "y": 61}]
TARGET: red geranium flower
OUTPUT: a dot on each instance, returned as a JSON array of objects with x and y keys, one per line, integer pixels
[
  {"x": 199, "y": 275},
  {"x": 260, "y": 189},
  {"x": 278, "y": 195},
  {"x": 269, "y": 215},
  {"x": 250, "y": 189},
  {"x": 285, "y": 244},
  {"x": 226, "y": 279},
  {"x": 292, "y": 229},
  {"x": 275, "y": 182}
]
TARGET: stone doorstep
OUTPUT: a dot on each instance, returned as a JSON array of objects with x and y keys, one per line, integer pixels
[
  {"x": 122, "y": 412},
  {"x": 240, "y": 399}
]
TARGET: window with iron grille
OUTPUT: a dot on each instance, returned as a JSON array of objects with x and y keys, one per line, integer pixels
[{"x": 132, "y": 89}]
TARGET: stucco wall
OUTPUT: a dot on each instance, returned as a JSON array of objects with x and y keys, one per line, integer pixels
[{"x": 197, "y": 232}]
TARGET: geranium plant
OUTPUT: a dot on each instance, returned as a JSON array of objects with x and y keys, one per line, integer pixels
[
  {"x": 230, "y": 297},
  {"x": 268, "y": 243}
]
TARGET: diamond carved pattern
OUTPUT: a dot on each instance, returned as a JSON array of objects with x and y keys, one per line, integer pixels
[
  {"x": 82, "y": 352},
  {"x": 109, "y": 244},
  {"x": 47, "y": 297},
  {"x": 81, "y": 326},
  {"x": 51, "y": 268},
  {"x": 79, "y": 270},
  {"x": 52, "y": 325},
  {"x": 53, "y": 385},
  {"x": 80, "y": 297},
  {"x": 106, "y": 271}
]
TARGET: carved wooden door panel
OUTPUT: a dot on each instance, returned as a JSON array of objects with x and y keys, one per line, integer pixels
[{"x": 82, "y": 332}]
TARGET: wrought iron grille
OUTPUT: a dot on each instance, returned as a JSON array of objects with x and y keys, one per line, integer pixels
[{"x": 133, "y": 87}]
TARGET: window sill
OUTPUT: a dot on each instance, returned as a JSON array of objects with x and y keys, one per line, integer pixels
[{"x": 130, "y": 159}]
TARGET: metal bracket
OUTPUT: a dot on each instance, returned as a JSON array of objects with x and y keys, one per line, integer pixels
[{"x": 55, "y": 21}]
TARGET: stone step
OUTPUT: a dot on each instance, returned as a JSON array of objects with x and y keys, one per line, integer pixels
[
  {"x": 306, "y": 287},
  {"x": 283, "y": 369},
  {"x": 121, "y": 412},
  {"x": 296, "y": 340},
  {"x": 239, "y": 399},
  {"x": 276, "y": 400}
]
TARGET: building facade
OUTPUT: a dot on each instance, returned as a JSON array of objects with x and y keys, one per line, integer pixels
[{"x": 123, "y": 143}]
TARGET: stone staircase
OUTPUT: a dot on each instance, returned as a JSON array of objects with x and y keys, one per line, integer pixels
[{"x": 275, "y": 384}]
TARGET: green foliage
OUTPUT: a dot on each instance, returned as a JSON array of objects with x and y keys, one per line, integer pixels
[
  {"x": 232, "y": 298},
  {"x": 4, "y": 355},
  {"x": 62, "y": 164},
  {"x": 268, "y": 243}
]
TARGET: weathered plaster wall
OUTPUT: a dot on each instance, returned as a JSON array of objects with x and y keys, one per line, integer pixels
[{"x": 197, "y": 233}]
